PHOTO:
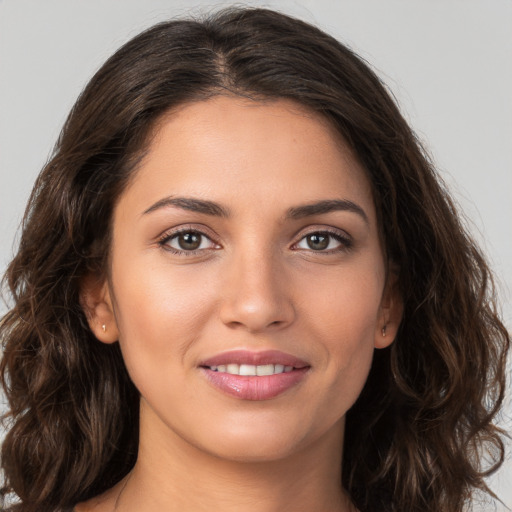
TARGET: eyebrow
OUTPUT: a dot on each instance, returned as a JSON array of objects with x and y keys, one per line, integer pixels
[
  {"x": 296, "y": 212},
  {"x": 326, "y": 206},
  {"x": 190, "y": 204}
]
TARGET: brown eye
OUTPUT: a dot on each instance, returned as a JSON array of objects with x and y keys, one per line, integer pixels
[
  {"x": 318, "y": 241},
  {"x": 187, "y": 241},
  {"x": 324, "y": 241}
]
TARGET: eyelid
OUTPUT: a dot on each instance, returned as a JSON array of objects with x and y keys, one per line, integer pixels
[
  {"x": 341, "y": 235},
  {"x": 200, "y": 229}
]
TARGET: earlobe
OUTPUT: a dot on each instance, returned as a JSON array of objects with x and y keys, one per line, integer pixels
[
  {"x": 97, "y": 305},
  {"x": 391, "y": 311},
  {"x": 385, "y": 336}
]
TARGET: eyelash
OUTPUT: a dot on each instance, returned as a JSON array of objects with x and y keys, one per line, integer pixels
[
  {"x": 345, "y": 241},
  {"x": 168, "y": 236}
]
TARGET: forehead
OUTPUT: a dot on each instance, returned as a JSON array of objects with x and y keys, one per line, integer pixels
[{"x": 231, "y": 148}]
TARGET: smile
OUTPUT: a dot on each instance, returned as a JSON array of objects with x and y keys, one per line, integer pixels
[
  {"x": 251, "y": 369},
  {"x": 249, "y": 375}
]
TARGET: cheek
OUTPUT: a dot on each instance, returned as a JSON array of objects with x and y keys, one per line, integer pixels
[
  {"x": 344, "y": 319},
  {"x": 159, "y": 312},
  {"x": 344, "y": 305}
]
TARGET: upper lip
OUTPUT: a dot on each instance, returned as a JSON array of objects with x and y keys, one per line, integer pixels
[{"x": 255, "y": 358}]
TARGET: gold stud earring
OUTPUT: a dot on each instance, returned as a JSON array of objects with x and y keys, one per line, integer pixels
[
  {"x": 383, "y": 331},
  {"x": 104, "y": 327}
]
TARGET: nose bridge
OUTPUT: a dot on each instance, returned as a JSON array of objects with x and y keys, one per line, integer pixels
[{"x": 255, "y": 294}]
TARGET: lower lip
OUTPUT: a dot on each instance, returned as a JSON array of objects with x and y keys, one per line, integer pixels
[{"x": 252, "y": 387}]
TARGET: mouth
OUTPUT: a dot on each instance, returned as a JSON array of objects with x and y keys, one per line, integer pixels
[
  {"x": 250, "y": 375},
  {"x": 251, "y": 370}
]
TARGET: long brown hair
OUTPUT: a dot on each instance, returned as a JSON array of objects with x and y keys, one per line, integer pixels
[{"x": 415, "y": 437}]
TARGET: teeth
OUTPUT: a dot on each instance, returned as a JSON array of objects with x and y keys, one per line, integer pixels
[
  {"x": 245, "y": 369},
  {"x": 232, "y": 368},
  {"x": 252, "y": 370},
  {"x": 265, "y": 369}
]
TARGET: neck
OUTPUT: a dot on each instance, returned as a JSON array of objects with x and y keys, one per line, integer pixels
[{"x": 173, "y": 475}]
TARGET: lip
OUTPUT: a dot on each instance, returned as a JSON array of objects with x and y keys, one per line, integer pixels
[
  {"x": 252, "y": 387},
  {"x": 255, "y": 358}
]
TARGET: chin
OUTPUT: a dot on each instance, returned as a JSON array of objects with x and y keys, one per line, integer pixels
[
  {"x": 259, "y": 440},
  {"x": 257, "y": 449}
]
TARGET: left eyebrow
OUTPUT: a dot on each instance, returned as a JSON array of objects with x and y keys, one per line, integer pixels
[{"x": 326, "y": 206}]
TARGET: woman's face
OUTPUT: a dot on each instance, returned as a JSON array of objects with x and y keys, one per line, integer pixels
[{"x": 248, "y": 285}]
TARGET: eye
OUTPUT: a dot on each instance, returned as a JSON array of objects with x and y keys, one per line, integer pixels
[
  {"x": 324, "y": 241},
  {"x": 187, "y": 241}
]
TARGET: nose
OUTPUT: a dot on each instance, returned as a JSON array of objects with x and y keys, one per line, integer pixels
[{"x": 256, "y": 296}]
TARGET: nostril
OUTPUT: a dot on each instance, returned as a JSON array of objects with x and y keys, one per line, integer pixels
[{"x": 254, "y": 306}]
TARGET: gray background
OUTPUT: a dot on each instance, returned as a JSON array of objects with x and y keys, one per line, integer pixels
[{"x": 448, "y": 62}]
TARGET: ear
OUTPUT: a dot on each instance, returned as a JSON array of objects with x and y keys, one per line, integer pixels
[
  {"x": 97, "y": 305},
  {"x": 390, "y": 311}
]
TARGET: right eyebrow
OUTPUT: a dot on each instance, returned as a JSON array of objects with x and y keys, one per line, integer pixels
[{"x": 190, "y": 204}]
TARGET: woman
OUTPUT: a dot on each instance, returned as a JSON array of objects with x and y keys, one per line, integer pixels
[{"x": 241, "y": 286}]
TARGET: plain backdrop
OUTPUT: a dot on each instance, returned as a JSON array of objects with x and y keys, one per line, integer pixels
[{"x": 448, "y": 63}]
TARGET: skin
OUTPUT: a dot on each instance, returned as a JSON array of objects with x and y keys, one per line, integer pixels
[{"x": 256, "y": 284}]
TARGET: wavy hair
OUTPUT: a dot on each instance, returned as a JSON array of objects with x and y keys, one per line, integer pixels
[{"x": 416, "y": 436}]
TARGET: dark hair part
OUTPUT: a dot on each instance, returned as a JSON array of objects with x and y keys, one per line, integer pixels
[{"x": 415, "y": 436}]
